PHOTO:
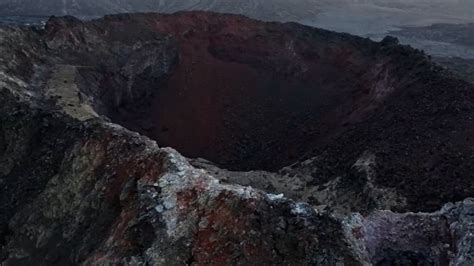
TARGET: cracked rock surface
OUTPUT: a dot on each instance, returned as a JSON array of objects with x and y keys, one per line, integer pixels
[{"x": 339, "y": 150}]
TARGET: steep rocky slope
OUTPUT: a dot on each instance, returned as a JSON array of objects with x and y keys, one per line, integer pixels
[{"x": 359, "y": 130}]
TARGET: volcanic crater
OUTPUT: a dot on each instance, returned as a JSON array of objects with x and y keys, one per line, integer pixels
[
  {"x": 243, "y": 94},
  {"x": 300, "y": 142},
  {"x": 249, "y": 95}
]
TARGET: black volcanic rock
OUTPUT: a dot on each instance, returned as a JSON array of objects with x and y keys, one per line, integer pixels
[{"x": 342, "y": 123}]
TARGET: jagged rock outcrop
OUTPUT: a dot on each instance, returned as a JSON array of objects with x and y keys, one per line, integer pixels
[
  {"x": 365, "y": 133},
  {"x": 95, "y": 193}
]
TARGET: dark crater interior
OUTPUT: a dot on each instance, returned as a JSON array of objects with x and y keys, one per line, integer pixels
[
  {"x": 236, "y": 93},
  {"x": 248, "y": 95}
]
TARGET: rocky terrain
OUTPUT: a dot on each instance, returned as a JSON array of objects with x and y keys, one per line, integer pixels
[
  {"x": 462, "y": 67},
  {"x": 452, "y": 45},
  {"x": 462, "y": 34},
  {"x": 301, "y": 146}
]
